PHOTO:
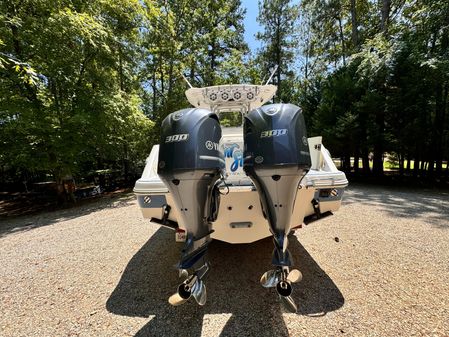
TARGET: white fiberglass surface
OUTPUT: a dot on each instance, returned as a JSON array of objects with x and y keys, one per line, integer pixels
[
  {"x": 326, "y": 174},
  {"x": 231, "y": 96}
]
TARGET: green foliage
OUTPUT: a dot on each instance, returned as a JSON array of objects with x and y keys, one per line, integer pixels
[
  {"x": 385, "y": 85},
  {"x": 279, "y": 20},
  {"x": 84, "y": 85},
  {"x": 202, "y": 40},
  {"x": 68, "y": 94}
]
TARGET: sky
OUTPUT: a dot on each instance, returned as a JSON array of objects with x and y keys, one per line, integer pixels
[{"x": 251, "y": 25}]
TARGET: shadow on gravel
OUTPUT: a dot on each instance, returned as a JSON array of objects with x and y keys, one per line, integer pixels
[
  {"x": 23, "y": 223},
  {"x": 232, "y": 287},
  {"x": 432, "y": 206}
]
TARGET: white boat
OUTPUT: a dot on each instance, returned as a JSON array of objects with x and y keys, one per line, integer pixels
[{"x": 246, "y": 208}]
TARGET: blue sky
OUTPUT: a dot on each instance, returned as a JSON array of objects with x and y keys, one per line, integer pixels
[{"x": 251, "y": 25}]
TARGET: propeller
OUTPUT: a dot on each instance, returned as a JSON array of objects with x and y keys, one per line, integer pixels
[
  {"x": 192, "y": 286},
  {"x": 184, "y": 291},
  {"x": 183, "y": 273},
  {"x": 282, "y": 280},
  {"x": 199, "y": 292},
  {"x": 294, "y": 276},
  {"x": 284, "y": 289},
  {"x": 176, "y": 299},
  {"x": 288, "y": 303},
  {"x": 270, "y": 278}
]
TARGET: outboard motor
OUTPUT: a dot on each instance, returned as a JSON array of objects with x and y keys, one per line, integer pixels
[
  {"x": 190, "y": 164},
  {"x": 276, "y": 158}
]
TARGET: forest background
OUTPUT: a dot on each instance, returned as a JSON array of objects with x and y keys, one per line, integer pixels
[{"x": 84, "y": 85}]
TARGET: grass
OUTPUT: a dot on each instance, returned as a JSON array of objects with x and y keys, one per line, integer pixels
[{"x": 389, "y": 165}]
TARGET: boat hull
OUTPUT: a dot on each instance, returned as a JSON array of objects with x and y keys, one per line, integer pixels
[{"x": 240, "y": 216}]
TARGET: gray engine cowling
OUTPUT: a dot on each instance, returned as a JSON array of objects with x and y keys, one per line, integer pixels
[
  {"x": 276, "y": 158},
  {"x": 190, "y": 164},
  {"x": 189, "y": 141}
]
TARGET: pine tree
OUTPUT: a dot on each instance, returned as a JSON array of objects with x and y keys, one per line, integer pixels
[{"x": 279, "y": 19}]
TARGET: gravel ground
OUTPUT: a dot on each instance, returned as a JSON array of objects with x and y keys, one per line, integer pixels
[{"x": 101, "y": 270}]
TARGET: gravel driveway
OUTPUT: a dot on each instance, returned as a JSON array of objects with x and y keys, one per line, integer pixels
[{"x": 101, "y": 270}]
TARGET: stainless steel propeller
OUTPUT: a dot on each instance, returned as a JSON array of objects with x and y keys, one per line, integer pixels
[
  {"x": 284, "y": 289},
  {"x": 294, "y": 276},
  {"x": 199, "y": 292},
  {"x": 288, "y": 303},
  {"x": 184, "y": 291},
  {"x": 282, "y": 279},
  {"x": 272, "y": 277},
  {"x": 176, "y": 299},
  {"x": 192, "y": 286}
]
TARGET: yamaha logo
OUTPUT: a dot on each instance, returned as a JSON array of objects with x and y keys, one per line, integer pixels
[
  {"x": 272, "y": 110},
  {"x": 304, "y": 140},
  {"x": 177, "y": 116},
  {"x": 210, "y": 145}
]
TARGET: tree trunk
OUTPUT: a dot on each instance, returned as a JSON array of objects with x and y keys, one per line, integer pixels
[
  {"x": 342, "y": 39},
  {"x": 347, "y": 167},
  {"x": 213, "y": 56},
  {"x": 436, "y": 137},
  {"x": 378, "y": 152},
  {"x": 401, "y": 164},
  {"x": 278, "y": 60},
  {"x": 431, "y": 168},
  {"x": 125, "y": 163},
  {"x": 153, "y": 85},
  {"x": 365, "y": 162},
  {"x": 440, "y": 117},
  {"x": 170, "y": 85},
  {"x": 64, "y": 188},
  {"x": 386, "y": 7},
  {"x": 120, "y": 68},
  {"x": 307, "y": 57},
  {"x": 416, "y": 167},
  {"x": 441, "y": 101},
  {"x": 161, "y": 73},
  {"x": 356, "y": 160},
  {"x": 354, "y": 25},
  {"x": 378, "y": 164}
]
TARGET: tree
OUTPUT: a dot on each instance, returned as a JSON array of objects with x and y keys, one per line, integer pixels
[
  {"x": 202, "y": 39},
  {"x": 82, "y": 104},
  {"x": 391, "y": 44},
  {"x": 279, "y": 20}
]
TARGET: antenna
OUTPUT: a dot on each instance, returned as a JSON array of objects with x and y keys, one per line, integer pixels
[
  {"x": 272, "y": 73},
  {"x": 185, "y": 79}
]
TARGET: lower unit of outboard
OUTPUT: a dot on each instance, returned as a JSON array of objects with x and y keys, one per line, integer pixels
[
  {"x": 190, "y": 164},
  {"x": 276, "y": 158}
]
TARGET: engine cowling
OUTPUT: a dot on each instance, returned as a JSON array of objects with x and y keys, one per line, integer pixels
[
  {"x": 190, "y": 141},
  {"x": 190, "y": 163},
  {"x": 276, "y": 158}
]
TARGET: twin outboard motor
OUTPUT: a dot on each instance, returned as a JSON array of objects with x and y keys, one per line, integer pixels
[
  {"x": 190, "y": 164},
  {"x": 276, "y": 159}
]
